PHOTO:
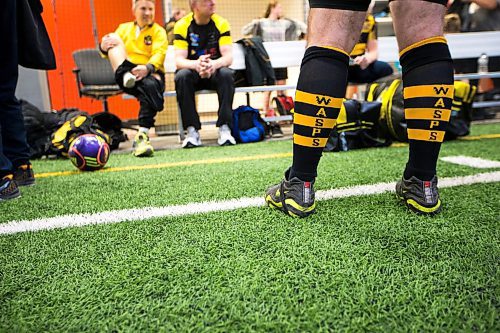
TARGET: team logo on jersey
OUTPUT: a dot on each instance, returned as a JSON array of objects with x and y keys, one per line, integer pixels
[
  {"x": 212, "y": 38},
  {"x": 148, "y": 40},
  {"x": 195, "y": 39}
]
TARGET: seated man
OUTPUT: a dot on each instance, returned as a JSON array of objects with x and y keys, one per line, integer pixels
[
  {"x": 136, "y": 51},
  {"x": 203, "y": 53},
  {"x": 364, "y": 66}
]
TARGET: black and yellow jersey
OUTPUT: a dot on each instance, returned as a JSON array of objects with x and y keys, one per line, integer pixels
[
  {"x": 202, "y": 39},
  {"x": 147, "y": 45},
  {"x": 369, "y": 32}
]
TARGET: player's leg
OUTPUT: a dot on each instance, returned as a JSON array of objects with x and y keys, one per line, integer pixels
[
  {"x": 113, "y": 45},
  {"x": 115, "y": 48},
  {"x": 334, "y": 28},
  {"x": 428, "y": 94}
]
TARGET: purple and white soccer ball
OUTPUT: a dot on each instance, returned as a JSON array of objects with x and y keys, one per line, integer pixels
[{"x": 89, "y": 152}]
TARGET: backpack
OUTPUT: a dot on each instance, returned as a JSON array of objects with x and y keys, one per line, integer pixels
[
  {"x": 461, "y": 110},
  {"x": 112, "y": 126},
  {"x": 39, "y": 126},
  {"x": 79, "y": 124},
  {"x": 51, "y": 133},
  {"x": 392, "y": 116},
  {"x": 392, "y": 120},
  {"x": 357, "y": 127},
  {"x": 248, "y": 126},
  {"x": 284, "y": 104}
]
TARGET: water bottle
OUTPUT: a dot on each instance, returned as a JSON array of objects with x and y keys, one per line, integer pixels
[
  {"x": 482, "y": 64},
  {"x": 397, "y": 66}
]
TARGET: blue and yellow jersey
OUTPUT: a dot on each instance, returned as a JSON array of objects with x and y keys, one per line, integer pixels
[
  {"x": 369, "y": 32},
  {"x": 202, "y": 39},
  {"x": 146, "y": 46}
]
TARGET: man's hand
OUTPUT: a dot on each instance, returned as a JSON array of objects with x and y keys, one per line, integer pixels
[
  {"x": 109, "y": 41},
  {"x": 205, "y": 66},
  {"x": 362, "y": 61},
  {"x": 140, "y": 72}
]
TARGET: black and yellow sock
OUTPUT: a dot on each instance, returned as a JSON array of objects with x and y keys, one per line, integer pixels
[
  {"x": 318, "y": 99},
  {"x": 428, "y": 95}
]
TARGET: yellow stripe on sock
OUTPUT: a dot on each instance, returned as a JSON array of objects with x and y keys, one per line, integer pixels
[
  {"x": 425, "y": 135},
  {"x": 334, "y": 49},
  {"x": 432, "y": 90},
  {"x": 428, "y": 114},
  {"x": 300, "y": 119},
  {"x": 309, "y": 142},
  {"x": 317, "y": 100},
  {"x": 437, "y": 39}
]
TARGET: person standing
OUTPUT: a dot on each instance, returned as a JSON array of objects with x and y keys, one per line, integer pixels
[
  {"x": 334, "y": 27},
  {"x": 26, "y": 43}
]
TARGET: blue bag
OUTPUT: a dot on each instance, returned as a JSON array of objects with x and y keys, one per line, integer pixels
[{"x": 248, "y": 126}]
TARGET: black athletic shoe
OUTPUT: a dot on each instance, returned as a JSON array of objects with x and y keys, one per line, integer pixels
[
  {"x": 276, "y": 131},
  {"x": 24, "y": 175},
  {"x": 419, "y": 196},
  {"x": 293, "y": 197},
  {"x": 8, "y": 188}
]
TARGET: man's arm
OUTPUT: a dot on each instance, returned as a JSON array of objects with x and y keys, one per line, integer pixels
[
  {"x": 159, "y": 49},
  {"x": 182, "y": 62},
  {"x": 369, "y": 56},
  {"x": 372, "y": 50},
  {"x": 227, "y": 57}
]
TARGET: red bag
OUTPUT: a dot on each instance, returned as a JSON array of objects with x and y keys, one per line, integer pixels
[{"x": 284, "y": 104}]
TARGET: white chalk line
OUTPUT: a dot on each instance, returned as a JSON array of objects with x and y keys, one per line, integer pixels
[
  {"x": 473, "y": 162},
  {"x": 137, "y": 214}
]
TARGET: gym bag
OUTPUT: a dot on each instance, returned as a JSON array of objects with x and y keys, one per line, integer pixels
[
  {"x": 357, "y": 127},
  {"x": 248, "y": 126},
  {"x": 284, "y": 104}
]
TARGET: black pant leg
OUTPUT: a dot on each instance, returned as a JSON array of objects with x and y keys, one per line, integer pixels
[
  {"x": 186, "y": 81},
  {"x": 14, "y": 148},
  {"x": 223, "y": 82}
]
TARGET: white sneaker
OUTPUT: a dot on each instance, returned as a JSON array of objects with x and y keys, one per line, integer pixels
[
  {"x": 225, "y": 137},
  {"x": 129, "y": 80},
  {"x": 192, "y": 139}
]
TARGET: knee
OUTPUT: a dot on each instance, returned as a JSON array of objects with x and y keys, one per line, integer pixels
[
  {"x": 113, "y": 38},
  {"x": 384, "y": 68},
  {"x": 225, "y": 74},
  {"x": 183, "y": 76}
]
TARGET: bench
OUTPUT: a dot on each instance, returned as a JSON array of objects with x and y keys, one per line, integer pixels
[
  {"x": 282, "y": 54},
  {"x": 290, "y": 53}
]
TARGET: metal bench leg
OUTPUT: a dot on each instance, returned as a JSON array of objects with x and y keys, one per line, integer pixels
[
  {"x": 105, "y": 104},
  {"x": 181, "y": 128}
]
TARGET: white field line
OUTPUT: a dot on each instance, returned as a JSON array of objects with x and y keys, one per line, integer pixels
[
  {"x": 115, "y": 216},
  {"x": 473, "y": 162}
]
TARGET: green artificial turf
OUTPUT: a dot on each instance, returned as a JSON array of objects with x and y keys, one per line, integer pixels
[{"x": 359, "y": 264}]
